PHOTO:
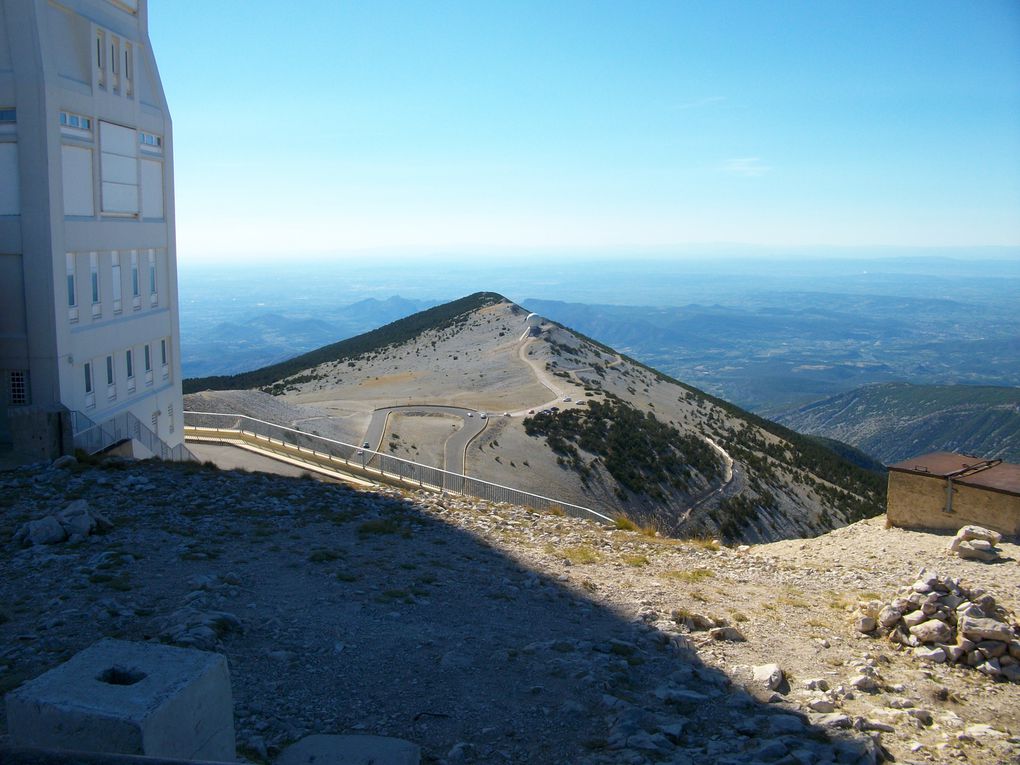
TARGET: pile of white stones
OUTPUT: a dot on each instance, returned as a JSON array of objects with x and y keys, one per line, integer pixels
[
  {"x": 943, "y": 619},
  {"x": 976, "y": 543}
]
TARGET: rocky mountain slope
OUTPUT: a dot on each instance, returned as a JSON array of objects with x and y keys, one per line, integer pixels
[
  {"x": 567, "y": 418},
  {"x": 491, "y": 633},
  {"x": 896, "y": 421}
]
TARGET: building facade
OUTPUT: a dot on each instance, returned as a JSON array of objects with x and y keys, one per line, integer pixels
[
  {"x": 88, "y": 277},
  {"x": 947, "y": 491}
]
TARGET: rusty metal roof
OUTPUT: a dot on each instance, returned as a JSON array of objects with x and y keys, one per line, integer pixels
[{"x": 1001, "y": 476}]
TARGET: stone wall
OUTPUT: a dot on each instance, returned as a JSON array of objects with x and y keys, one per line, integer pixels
[{"x": 918, "y": 501}]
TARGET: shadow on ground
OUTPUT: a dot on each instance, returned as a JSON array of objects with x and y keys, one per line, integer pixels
[{"x": 373, "y": 613}]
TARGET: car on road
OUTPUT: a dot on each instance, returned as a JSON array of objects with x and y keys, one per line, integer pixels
[
  {"x": 531, "y": 411},
  {"x": 365, "y": 445},
  {"x": 471, "y": 414},
  {"x": 506, "y": 414},
  {"x": 483, "y": 415},
  {"x": 566, "y": 399}
]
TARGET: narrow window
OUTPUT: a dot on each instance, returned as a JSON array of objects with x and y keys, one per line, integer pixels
[
  {"x": 109, "y": 370},
  {"x": 162, "y": 351},
  {"x": 94, "y": 276},
  {"x": 148, "y": 358},
  {"x": 115, "y": 280},
  {"x": 129, "y": 358},
  {"x": 152, "y": 273},
  {"x": 88, "y": 377},
  {"x": 128, "y": 72},
  {"x": 72, "y": 291},
  {"x": 134, "y": 275},
  {"x": 100, "y": 54}
]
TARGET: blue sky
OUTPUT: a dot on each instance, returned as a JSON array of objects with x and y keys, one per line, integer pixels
[{"x": 334, "y": 127}]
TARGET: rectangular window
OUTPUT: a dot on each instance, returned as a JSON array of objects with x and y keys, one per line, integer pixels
[
  {"x": 8, "y": 115},
  {"x": 76, "y": 167},
  {"x": 75, "y": 124},
  {"x": 150, "y": 142},
  {"x": 72, "y": 291},
  {"x": 100, "y": 59},
  {"x": 135, "y": 292},
  {"x": 17, "y": 388},
  {"x": 152, "y": 276},
  {"x": 115, "y": 280},
  {"x": 10, "y": 179},
  {"x": 129, "y": 358},
  {"x": 127, "y": 72},
  {"x": 152, "y": 188},
  {"x": 97, "y": 308},
  {"x": 148, "y": 358},
  {"x": 109, "y": 370},
  {"x": 162, "y": 350},
  {"x": 118, "y": 169},
  {"x": 88, "y": 377},
  {"x": 170, "y": 417}
]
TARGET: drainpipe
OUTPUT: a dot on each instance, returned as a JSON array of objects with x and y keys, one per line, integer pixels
[
  {"x": 961, "y": 473},
  {"x": 949, "y": 495}
]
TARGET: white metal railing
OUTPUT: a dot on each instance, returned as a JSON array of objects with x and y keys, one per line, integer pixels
[
  {"x": 93, "y": 438},
  {"x": 385, "y": 467}
]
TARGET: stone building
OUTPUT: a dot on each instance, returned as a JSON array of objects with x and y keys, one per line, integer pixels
[
  {"x": 88, "y": 278},
  {"x": 943, "y": 490}
]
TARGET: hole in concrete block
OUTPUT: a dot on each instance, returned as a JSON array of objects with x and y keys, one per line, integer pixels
[{"x": 121, "y": 676}]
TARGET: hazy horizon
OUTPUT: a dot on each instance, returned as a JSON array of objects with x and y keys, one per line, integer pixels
[{"x": 339, "y": 127}]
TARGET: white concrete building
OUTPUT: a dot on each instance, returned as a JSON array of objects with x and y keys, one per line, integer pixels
[{"x": 88, "y": 277}]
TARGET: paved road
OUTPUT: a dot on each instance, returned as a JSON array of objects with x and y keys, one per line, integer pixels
[{"x": 456, "y": 444}]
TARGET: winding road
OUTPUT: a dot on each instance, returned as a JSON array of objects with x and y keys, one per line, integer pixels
[{"x": 457, "y": 443}]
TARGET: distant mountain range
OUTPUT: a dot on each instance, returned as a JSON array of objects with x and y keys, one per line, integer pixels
[
  {"x": 266, "y": 338},
  {"x": 567, "y": 417},
  {"x": 781, "y": 350},
  {"x": 896, "y": 421}
]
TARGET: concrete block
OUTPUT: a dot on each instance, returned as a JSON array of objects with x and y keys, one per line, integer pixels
[
  {"x": 350, "y": 750},
  {"x": 129, "y": 698}
]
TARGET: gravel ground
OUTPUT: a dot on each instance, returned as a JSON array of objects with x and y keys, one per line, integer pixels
[{"x": 491, "y": 633}]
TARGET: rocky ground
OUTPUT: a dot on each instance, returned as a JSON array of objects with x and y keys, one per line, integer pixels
[{"x": 491, "y": 633}]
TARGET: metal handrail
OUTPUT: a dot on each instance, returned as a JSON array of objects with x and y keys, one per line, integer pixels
[
  {"x": 385, "y": 466},
  {"x": 96, "y": 437}
]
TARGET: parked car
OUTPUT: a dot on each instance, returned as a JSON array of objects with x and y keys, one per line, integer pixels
[{"x": 483, "y": 415}]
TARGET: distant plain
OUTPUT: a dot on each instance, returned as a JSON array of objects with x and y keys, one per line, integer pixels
[{"x": 766, "y": 332}]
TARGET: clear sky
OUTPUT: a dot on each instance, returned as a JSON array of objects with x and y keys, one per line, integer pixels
[{"x": 327, "y": 126}]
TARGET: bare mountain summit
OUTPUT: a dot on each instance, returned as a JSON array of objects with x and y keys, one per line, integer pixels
[{"x": 480, "y": 385}]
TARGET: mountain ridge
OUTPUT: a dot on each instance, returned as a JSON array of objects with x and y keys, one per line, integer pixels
[
  {"x": 626, "y": 439},
  {"x": 896, "y": 421}
]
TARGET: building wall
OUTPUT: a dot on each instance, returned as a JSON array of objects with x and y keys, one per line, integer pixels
[
  {"x": 918, "y": 501},
  {"x": 93, "y": 146}
]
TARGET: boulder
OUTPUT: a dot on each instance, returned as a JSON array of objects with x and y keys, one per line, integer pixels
[
  {"x": 44, "y": 531},
  {"x": 865, "y": 624},
  {"x": 980, "y": 533},
  {"x": 967, "y": 551},
  {"x": 888, "y": 616},
  {"x": 937, "y": 655},
  {"x": 731, "y": 634},
  {"x": 768, "y": 676},
  {"x": 984, "y": 629},
  {"x": 932, "y": 631}
]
